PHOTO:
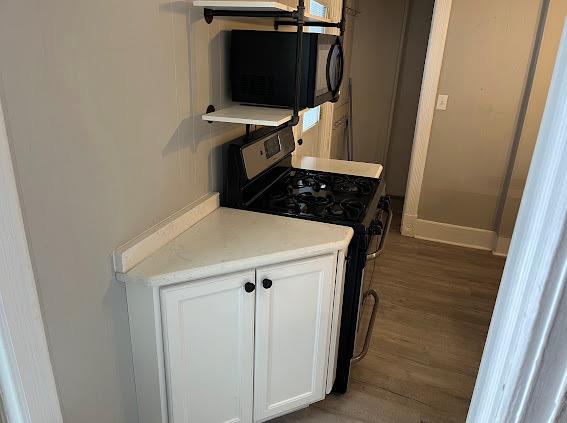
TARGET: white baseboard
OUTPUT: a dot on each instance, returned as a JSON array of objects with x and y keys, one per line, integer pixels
[
  {"x": 502, "y": 246},
  {"x": 452, "y": 234}
]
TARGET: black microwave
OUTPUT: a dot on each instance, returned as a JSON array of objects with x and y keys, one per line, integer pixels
[{"x": 262, "y": 68}]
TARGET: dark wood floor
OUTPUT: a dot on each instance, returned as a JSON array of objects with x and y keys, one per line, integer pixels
[{"x": 436, "y": 302}]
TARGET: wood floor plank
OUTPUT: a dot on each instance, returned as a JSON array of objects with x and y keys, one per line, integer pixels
[{"x": 436, "y": 302}]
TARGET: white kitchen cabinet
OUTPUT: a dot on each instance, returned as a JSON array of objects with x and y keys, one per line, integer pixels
[
  {"x": 207, "y": 349},
  {"x": 234, "y": 354},
  {"x": 208, "y": 329},
  {"x": 294, "y": 304}
]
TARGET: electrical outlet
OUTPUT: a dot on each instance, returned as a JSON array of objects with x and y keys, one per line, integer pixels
[{"x": 442, "y": 101}]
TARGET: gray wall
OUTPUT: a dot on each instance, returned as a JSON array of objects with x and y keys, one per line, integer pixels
[
  {"x": 407, "y": 101},
  {"x": 544, "y": 69},
  {"x": 484, "y": 70},
  {"x": 377, "y": 36},
  {"x": 102, "y": 101}
]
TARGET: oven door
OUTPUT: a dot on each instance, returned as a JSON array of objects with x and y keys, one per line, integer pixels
[{"x": 329, "y": 69}]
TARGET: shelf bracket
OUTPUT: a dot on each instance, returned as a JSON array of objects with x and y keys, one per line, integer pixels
[
  {"x": 209, "y": 14},
  {"x": 210, "y": 109}
]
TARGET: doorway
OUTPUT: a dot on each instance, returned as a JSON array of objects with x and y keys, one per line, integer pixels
[{"x": 388, "y": 58}]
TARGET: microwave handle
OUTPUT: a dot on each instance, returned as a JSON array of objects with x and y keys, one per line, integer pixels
[{"x": 335, "y": 90}]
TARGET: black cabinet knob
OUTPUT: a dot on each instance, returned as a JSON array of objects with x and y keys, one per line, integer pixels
[
  {"x": 249, "y": 287},
  {"x": 267, "y": 283}
]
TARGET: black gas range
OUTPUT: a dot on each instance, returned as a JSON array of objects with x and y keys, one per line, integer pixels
[{"x": 260, "y": 178}]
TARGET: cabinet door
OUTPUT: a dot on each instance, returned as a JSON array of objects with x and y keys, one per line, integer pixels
[
  {"x": 293, "y": 320},
  {"x": 209, "y": 339}
]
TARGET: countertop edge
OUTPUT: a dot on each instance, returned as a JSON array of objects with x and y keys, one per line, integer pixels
[
  {"x": 368, "y": 170},
  {"x": 192, "y": 274}
]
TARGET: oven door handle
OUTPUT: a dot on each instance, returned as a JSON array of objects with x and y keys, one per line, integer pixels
[
  {"x": 373, "y": 294},
  {"x": 380, "y": 249}
]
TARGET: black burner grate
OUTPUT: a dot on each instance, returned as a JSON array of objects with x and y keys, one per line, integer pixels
[{"x": 319, "y": 195}]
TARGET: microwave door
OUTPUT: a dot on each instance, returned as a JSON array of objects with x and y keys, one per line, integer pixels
[
  {"x": 323, "y": 54},
  {"x": 329, "y": 69}
]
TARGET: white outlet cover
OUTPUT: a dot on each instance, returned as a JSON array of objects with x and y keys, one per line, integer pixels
[{"x": 442, "y": 100}]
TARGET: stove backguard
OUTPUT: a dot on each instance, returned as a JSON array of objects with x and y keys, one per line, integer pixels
[{"x": 254, "y": 162}]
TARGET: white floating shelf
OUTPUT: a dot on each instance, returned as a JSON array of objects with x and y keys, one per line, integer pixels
[
  {"x": 254, "y": 6},
  {"x": 249, "y": 5},
  {"x": 252, "y": 115}
]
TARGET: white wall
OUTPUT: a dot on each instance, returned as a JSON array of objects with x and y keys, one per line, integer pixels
[
  {"x": 544, "y": 68},
  {"x": 103, "y": 104},
  {"x": 487, "y": 53}
]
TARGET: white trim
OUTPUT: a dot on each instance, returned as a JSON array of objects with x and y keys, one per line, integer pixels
[
  {"x": 426, "y": 109},
  {"x": 134, "y": 251},
  {"x": 396, "y": 84},
  {"x": 26, "y": 377},
  {"x": 523, "y": 373},
  {"x": 455, "y": 235},
  {"x": 326, "y": 130},
  {"x": 502, "y": 246}
]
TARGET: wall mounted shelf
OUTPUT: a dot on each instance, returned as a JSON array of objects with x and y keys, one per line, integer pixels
[
  {"x": 254, "y": 6},
  {"x": 245, "y": 5},
  {"x": 282, "y": 15},
  {"x": 250, "y": 115}
]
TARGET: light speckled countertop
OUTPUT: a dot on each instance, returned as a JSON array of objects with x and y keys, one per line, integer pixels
[
  {"x": 230, "y": 240},
  {"x": 369, "y": 170}
]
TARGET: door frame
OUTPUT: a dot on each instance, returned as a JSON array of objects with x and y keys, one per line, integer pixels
[
  {"x": 26, "y": 376},
  {"x": 425, "y": 112},
  {"x": 523, "y": 373}
]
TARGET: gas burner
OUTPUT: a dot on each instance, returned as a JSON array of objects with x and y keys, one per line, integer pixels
[
  {"x": 359, "y": 186},
  {"x": 297, "y": 173},
  {"x": 316, "y": 200},
  {"x": 310, "y": 182},
  {"x": 334, "y": 210},
  {"x": 326, "y": 180},
  {"x": 288, "y": 205},
  {"x": 364, "y": 185},
  {"x": 354, "y": 207},
  {"x": 347, "y": 209},
  {"x": 347, "y": 187}
]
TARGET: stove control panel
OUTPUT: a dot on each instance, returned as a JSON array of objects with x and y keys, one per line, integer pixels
[{"x": 264, "y": 152}]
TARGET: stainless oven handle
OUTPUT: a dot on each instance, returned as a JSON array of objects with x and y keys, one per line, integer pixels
[
  {"x": 370, "y": 329},
  {"x": 380, "y": 249}
]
